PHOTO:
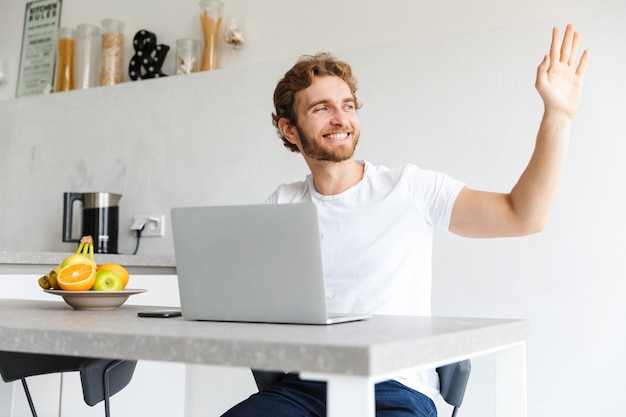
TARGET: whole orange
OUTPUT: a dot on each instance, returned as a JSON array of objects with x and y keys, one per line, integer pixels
[{"x": 118, "y": 269}]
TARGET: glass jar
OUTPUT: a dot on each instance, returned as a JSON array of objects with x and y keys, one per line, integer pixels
[
  {"x": 87, "y": 56},
  {"x": 211, "y": 20},
  {"x": 234, "y": 36},
  {"x": 187, "y": 56},
  {"x": 65, "y": 59},
  {"x": 112, "y": 52},
  {"x": 4, "y": 78}
]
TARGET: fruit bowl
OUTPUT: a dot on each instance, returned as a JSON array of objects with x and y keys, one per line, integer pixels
[{"x": 95, "y": 300}]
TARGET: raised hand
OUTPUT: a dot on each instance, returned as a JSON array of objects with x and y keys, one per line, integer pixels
[{"x": 559, "y": 82}]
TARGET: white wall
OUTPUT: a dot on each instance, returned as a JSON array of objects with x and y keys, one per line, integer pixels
[
  {"x": 461, "y": 102},
  {"x": 280, "y": 29}
]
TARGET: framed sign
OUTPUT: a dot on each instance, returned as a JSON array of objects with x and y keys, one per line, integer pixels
[{"x": 37, "y": 61}]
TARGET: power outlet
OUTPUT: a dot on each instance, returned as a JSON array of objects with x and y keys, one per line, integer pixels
[{"x": 153, "y": 225}]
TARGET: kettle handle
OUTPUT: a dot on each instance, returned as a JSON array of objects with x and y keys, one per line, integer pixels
[{"x": 68, "y": 214}]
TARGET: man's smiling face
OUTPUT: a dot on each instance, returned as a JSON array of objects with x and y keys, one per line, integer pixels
[{"x": 327, "y": 126}]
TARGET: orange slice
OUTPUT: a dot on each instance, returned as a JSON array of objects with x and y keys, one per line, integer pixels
[
  {"x": 118, "y": 269},
  {"x": 77, "y": 277}
]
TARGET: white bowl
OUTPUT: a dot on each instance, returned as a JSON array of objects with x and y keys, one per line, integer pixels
[{"x": 95, "y": 300}]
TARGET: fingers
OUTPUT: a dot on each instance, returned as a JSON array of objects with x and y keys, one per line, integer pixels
[
  {"x": 566, "y": 46},
  {"x": 574, "y": 50},
  {"x": 555, "y": 46},
  {"x": 543, "y": 67},
  {"x": 542, "y": 70},
  {"x": 582, "y": 66},
  {"x": 566, "y": 51}
]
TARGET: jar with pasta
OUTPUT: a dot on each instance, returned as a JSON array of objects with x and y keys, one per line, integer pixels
[
  {"x": 211, "y": 20},
  {"x": 65, "y": 59},
  {"x": 112, "y": 56}
]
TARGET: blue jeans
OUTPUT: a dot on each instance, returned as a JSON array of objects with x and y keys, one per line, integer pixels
[{"x": 293, "y": 397}]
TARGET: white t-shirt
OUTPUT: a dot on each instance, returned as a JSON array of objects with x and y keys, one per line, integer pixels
[{"x": 377, "y": 242}]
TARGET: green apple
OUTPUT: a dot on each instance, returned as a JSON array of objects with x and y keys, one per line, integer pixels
[{"x": 107, "y": 280}]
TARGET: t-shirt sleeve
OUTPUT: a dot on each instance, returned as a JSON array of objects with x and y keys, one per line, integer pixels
[
  {"x": 434, "y": 193},
  {"x": 288, "y": 194}
]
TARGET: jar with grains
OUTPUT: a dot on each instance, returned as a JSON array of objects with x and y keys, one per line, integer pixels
[
  {"x": 87, "y": 56},
  {"x": 112, "y": 55},
  {"x": 211, "y": 20},
  {"x": 65, "y": 59}
]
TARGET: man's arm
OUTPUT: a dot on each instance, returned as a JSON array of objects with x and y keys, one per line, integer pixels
[{"x": 526, "y": 208}]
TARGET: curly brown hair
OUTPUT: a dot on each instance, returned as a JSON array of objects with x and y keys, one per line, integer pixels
[{"x": 299, "y": 77}]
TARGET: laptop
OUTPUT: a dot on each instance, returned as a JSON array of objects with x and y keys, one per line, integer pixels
[{"x": 251, "y": 263}]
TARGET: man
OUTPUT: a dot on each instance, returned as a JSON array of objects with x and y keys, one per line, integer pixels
[{"x": 377, "y": 223}]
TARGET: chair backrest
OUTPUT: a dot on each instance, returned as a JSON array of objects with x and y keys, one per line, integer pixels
[
  {"x": 93, "y": 373},
  {"x": 264, "y": 379},
  {"x": 100, "y": 378},
  {"x": 453, "y": 380},
  {"x": 18, "y": 365}
]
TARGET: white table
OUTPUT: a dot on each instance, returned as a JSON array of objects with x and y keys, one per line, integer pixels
[{"x": 351, "y": 357}]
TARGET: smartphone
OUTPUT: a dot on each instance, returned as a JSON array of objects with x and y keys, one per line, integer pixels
[{"x": 163, "y": 314}]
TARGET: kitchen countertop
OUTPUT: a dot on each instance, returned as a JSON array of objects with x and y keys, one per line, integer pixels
[{"x": 24, "y": 262}]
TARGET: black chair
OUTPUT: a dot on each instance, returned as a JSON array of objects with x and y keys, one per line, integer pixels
[
  {"x": 100, "y": 378},
  {"x": 453, "y": 380}
]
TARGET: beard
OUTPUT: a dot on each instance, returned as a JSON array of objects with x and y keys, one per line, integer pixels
[{"x": 315, "y": 150}]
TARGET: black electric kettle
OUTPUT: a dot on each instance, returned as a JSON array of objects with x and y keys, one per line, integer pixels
[{"x": 100, "y": 219}]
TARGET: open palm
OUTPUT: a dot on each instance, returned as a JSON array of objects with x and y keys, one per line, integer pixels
[{"x": 559, "y": 82}]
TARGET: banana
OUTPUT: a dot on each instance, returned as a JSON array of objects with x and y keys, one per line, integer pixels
[
  {"x": 52, "y": 278},
  {"x": 49, "y": 281},
  {"x": 44, "y": 282},
  {"x": 83, "y": 254}
]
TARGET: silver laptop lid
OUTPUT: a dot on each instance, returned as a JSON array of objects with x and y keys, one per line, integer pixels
[{"x": 254, "y": 263}]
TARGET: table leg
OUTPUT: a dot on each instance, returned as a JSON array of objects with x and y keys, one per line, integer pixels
[
  {"x": 347, "y": 395},
  {"x": 511, "y": 386},
  {"x": 6, "y": 398}
]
